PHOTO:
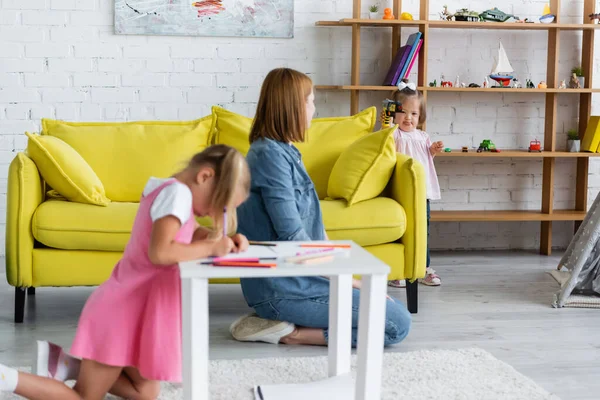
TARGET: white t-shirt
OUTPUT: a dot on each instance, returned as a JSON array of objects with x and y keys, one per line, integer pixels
[{"x": 175, "y": 200}]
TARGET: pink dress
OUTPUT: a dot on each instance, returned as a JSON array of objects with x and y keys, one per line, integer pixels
[
  {"x": 134, "y": 318},
  {"x": 416, "y": 144}
]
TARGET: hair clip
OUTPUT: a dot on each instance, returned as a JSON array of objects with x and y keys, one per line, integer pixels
[{"x": 403, "y": 85}]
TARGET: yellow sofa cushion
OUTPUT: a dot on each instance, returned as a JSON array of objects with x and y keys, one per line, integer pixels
[
  {"x": 371, "y": 222},
  {"x": 65, "y": 170},
  {"x": 231, "y": 129},
  {"x": 125, "y": 154},
  {"x": 74, "y": 226},
  {"x": 326, "y": 139},
  {"x": 364, "y": 169}
]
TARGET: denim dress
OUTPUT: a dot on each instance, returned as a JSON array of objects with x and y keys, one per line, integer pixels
[{"x": 283, "y": 206}]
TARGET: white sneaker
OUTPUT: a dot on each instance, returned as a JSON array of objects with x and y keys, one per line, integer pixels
[
  {"x": 398, "y": 283},
  {"x": 252, "y": 328}
]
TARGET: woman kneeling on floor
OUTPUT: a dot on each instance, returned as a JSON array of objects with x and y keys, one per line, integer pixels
[{"x": 283, "y": 206}]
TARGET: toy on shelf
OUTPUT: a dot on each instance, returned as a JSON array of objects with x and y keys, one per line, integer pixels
[
  {"x": 465, "y": 15},
  {"x": 473, "y": 85},
  {"x": 530, "y": 84},
  {"x": 495, "y": 15},
  {"x": 406, "y": 16},
  {"x": 574, "y": 82},
  {"x": 390, "y": 108},
  {"x": 445, "y": 15},
  {"x": 595, "y": 17},
  {"x": 486, "y": 82},
  {"x": 562, "y": 85},
  {"x": 535, "y": 145},
  {"x": 465, "y": 149},
  {"x": 542, "y": 85},
  {"x": 444, "y": 82},
  {"x": 447, "y": 150},
  {"x": 433, "y": 84},
  {"x": 457, "y": 81},
  {"x": 501, "y": 71},
  {"x": 387, "y": 13},
  {"x": 487, "y": 145},
  {"x": 516, "y": 84},
  {"x": 547, "y": 17}
]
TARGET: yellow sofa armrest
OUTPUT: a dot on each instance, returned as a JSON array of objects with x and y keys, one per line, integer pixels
[
  {"x": 24, "y": 194},
  {"x": 408, "y": 187}
]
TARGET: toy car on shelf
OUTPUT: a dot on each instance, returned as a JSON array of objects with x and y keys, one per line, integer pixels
[
  {"x": 465, "y": 15},
  {"x": 535, "y": 145},
  {"x": 487, "y": 145},
  {"x": 465, "y": 149},
  {"x": 447, "y": 150}
]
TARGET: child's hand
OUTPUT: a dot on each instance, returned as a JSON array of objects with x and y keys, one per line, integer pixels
[
  {"x": 222, "y": 247},
  {"x": 240, "y": 242},
  {"x": 436, "y": 147}
]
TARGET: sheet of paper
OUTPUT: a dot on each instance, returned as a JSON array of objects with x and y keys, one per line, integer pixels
[
  {"x": 281, "y": 251},
  {"x": 337, "y": 387}
]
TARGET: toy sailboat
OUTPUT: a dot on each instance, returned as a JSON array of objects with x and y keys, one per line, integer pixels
[{"x": 502, "y": 69}]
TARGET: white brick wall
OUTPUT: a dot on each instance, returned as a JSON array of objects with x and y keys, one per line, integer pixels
[{"x": 60, "y": 59}]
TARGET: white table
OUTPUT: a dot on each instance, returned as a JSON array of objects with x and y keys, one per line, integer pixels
[{"x": 194, "y": 280}]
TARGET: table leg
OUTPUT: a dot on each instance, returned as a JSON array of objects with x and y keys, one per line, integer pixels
[
  {"x": 194, "y": 307},
  {"x": 371, "y": 331},
  {"x": 340, "y": 324}
]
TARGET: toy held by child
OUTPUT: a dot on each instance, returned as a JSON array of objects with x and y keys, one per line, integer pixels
[
  {"x": 129, "y": 332},
  {"x": 413, "y": 142}
]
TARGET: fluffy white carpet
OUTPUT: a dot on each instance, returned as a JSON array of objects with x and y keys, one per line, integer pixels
[{"x": 440, "y": 374}]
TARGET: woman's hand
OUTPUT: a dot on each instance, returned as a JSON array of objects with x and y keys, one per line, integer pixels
[
  {"x": 222, "y": 247},
  {"x": 240, "y": 243},
  {"x": 436, "y": 147}
]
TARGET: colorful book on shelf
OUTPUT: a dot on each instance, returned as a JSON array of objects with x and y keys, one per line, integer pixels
[
  {"x": 396, "y": 66},
  {"x": 414, "y": 57},
  {"x": 591, "y": 139},
  {"x": 413, "y": 41}
]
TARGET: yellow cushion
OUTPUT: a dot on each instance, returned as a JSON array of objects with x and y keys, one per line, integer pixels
[
  {"x": 65, "y": 170},
  {"x": 231, "y": 129},
  {"x": 376, "y": 221},
  {"x": 364, "y": 169},
  {"x": 327, "y": 138},
  {"x": 126, "y": 154}
]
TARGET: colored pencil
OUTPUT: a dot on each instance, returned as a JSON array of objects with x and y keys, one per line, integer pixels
[
  {"x": 244, "y": 264},
  {"x": 333, "y": 246},
  {"x": 254, "y": 243}
]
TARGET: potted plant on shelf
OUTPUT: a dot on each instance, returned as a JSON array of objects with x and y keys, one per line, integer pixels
[
  {"x": 579, "y": 74},
  {"x": 374, "y": 11},
  {"x": 573, "y": 142}
]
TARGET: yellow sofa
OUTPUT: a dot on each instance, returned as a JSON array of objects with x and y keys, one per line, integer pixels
[{"x": 54, "y": 242}]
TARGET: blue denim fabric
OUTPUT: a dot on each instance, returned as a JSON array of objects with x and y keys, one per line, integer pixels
[
  {"x": 314, "y": 313},
  {"x": 428, "y": 217},
  {"x": 283, "y": 205}
]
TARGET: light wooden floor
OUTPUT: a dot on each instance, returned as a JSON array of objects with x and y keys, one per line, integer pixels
[{"x": 498, "y": 301}]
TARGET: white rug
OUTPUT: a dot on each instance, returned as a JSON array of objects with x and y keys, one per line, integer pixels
[{"x": 441, "y": 374}]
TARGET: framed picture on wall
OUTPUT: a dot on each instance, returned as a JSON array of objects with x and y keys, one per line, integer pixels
[{"x": 242, "y": 18}]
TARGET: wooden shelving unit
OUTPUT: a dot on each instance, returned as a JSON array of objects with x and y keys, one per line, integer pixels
[{"x": 547, "y": 214}]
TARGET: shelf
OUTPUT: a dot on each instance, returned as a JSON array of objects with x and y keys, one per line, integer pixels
[
  {"x": 517, "y": 154},
  {"x": 456, "y": 24},
  {"x": 453, "y": 89},
  {"x": 483, "y": 216}
]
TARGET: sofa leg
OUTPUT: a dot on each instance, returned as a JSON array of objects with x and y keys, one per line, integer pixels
[
  {"x": 31, "y": 291},
  {"x": 19, "y": 304},
  {"x": 412, "y": 296}
]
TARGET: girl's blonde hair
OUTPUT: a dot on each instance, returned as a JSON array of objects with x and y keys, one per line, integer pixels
[
  {"x": 281, "y": 108},
  {"x": 231, "y": 173},
  {"x": 408, "y": 93}
]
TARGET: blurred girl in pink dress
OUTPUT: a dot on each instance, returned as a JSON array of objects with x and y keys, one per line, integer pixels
[{"x": 129, "y": 334}]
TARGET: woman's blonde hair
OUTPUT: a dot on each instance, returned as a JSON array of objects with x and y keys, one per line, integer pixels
[
  {"x": 231, "y": 173},
  {"x": 408, "y": 93},
  {"x": 281, "y": 109}
]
